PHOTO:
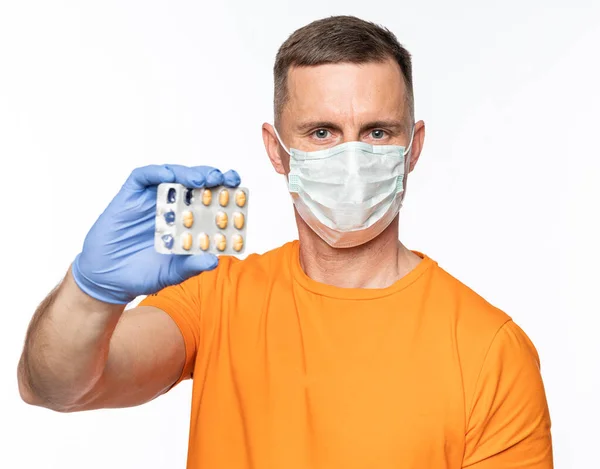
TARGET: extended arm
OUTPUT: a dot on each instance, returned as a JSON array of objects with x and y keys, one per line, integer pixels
[
  {"x": 82, "y": 350},
  {"x": 82, "y": 354}
]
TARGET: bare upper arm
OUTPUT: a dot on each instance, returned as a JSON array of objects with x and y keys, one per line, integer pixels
[{"x": 146, "y": 357}]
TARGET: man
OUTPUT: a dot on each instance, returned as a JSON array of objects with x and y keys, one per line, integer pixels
[{"x": 343, "y": 349}]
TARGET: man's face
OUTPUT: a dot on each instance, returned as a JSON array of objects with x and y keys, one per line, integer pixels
[{"x": 336, "y": 103}]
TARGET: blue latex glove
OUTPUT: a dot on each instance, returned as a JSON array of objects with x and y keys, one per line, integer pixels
[{"x": 118, "y": 261}]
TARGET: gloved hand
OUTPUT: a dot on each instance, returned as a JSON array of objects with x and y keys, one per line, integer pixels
[{"x": 118, "y": 261}]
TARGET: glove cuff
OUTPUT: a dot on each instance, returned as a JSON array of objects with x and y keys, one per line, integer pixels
[{"x": 99, "y": 292}]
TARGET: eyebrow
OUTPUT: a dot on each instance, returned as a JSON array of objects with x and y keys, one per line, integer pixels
[{"x": 386, "y": 124}]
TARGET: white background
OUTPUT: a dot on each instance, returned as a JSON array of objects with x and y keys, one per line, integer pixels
[{"x": 505, "y": 195}]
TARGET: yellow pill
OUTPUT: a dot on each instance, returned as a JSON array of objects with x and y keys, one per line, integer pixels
[
  {"x": 220, "y": 241},
  {"x": 186, "y": 241},
  {"x": 188, "y": 219},
  {"x": 238, "y": 242},
  {"x": 221, "y": 220},
  {"x": 240, "y": 198},
  {"x": 224, "y": 197},
  {"x": 206, "y": 197},
  {"x": 204, "y": 241},
  {"x": 238, "y": 220}
]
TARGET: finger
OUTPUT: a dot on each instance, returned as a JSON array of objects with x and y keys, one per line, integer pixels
[
  {"x": 231, "y": 178},
  {"x": 205, "y": 176},
  {"x": 194, "y": 176},
  {"x": 184, "y": 267},
  {"x": 214, "y": 177},
  {"x": 151, "y": 175}
]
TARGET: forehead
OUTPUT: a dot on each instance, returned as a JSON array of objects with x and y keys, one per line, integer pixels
[{"x": 345, "y": 91}]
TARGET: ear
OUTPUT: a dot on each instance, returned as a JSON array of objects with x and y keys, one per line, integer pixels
[
  {"x": 273, "y": 149},
  {"x": 417, "y": 145}
]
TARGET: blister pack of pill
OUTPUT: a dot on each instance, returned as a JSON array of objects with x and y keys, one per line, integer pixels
[{"x": 195, "y": 221}]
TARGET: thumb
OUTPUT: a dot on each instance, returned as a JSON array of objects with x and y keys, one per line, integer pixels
[{"x": 183, "y": 267}]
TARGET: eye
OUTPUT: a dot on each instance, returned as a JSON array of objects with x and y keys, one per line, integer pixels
[
  {"x": 377, "y": 134},
  {"x": 321, "y": 133}
]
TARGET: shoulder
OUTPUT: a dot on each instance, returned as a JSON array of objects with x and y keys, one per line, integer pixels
[
  {"x": 470, "y": 311},
  {"x": 254, "y": 269},
  {"x": 487, "y": 340},
  {"x": 473, "y": 321}
]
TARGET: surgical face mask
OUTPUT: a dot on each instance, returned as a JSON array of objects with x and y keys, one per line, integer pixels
[{"x": 350, "y": 193}]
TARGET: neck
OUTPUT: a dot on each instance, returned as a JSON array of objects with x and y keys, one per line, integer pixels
[{"x": 376, "y": 264}]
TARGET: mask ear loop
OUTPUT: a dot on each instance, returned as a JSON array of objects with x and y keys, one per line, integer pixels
[
  {"x": 400, "y": 186},
  {"x": 412, "y": 135},
  {"x": 280, "y": 141},
  {"x": 290, "y": 180}
]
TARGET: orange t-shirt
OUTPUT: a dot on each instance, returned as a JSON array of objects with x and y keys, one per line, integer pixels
[{"x": 290, "y": 373}]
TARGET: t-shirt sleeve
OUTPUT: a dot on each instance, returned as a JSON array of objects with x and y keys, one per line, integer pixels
[
  {"x": 182, "y": 303},
  {"x": 509, "y": 422}
]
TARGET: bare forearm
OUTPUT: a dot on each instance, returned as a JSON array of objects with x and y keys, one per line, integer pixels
[{"x": 66, "y": 347}]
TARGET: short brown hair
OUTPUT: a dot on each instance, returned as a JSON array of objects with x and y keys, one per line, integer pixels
[{"x": 339, "y": 39}]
